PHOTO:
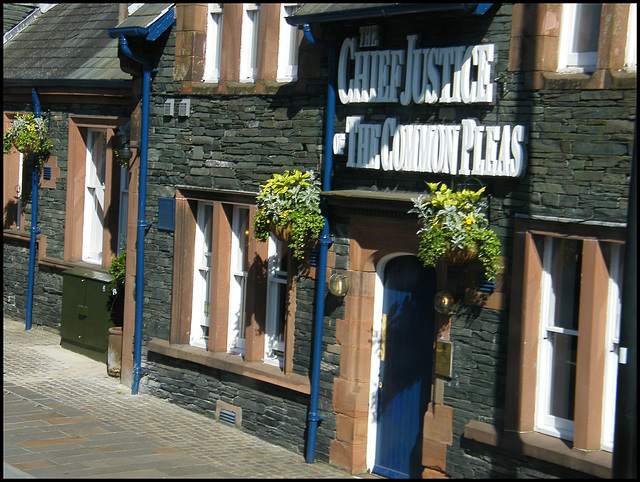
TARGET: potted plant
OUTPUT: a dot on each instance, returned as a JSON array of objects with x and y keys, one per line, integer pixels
[
  {"x": 116, "y": 287},
  {"x": 116, "y": 308},
  {"x": 289, "y": 206},
  {"x": 454, "y": 229},
  {"x": 28, "y": 134}
]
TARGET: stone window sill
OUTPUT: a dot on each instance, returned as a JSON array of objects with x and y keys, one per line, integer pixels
[
  {"x": 17, "y": 234},
  {"x": 229, "y": 87},
  {"x": 232, "y": 363},
  {"x": 543, "y": 447},
  {"x": 600, "y": 79}
]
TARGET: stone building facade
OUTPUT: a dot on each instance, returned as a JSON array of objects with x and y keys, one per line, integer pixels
[{"x": 219, "y": 126}]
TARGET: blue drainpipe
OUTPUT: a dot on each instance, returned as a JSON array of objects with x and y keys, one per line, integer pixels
[
  {"x": 325, "y": 242},
  {"x": 142, "y": 200},
  {"x": 35, "y": 181}
]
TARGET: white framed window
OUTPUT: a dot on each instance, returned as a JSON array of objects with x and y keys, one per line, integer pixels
[
  {"x": 579, "y": 33},
  {"x": 631, "y": 52},
  {"x": 613, "y": 256},
  {"x": 199, "y": 333},
  {"x": 276, "y": 302},
  {"x": 213, "y": 48},
  {"x": 558, "y": 344},
  {"x": 93, "y": 225},
  {"x": 238, "y": 284},
  {"x": 249, "y": 42},
  {"x": 559, "y": 332},
  {"x": 287, "y": 46}
]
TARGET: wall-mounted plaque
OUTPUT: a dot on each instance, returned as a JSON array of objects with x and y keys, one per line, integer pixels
[{"x": 444, "y": 358}]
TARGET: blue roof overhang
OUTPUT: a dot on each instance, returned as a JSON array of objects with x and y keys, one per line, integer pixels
[{"x": 388, "y": 10}]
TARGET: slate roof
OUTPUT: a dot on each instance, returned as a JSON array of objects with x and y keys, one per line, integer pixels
[
  {"x": 67, "y": 42},
  {"x": 14, "y": 13},
  {"x": 146, "y": 15}
]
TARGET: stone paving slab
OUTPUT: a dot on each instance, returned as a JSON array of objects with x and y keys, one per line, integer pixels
[{"x": 64, "y": 417}]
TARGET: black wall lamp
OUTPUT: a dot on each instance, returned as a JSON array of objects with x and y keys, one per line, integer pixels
[{"x": 125, "y": 152}]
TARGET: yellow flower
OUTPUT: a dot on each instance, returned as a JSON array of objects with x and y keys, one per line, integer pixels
[{"x": 469, "y": 220}]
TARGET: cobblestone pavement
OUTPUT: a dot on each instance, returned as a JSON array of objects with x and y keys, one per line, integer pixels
[{"x": 64, "y": 417}]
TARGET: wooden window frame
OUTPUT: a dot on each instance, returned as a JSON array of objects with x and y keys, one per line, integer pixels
[
  {"x": 631, "y": 50},
  {"x": 13, "y": 178},
  {"x": 250, "y": 43},
  {"x": 256, "y": 289},
  {"x": 213, "y": 60},
  {"x": 74, "y": 215},
  {"x": 534, "y": 48},
  {"x": 568, "y": 60},
  {"x": 288, "y": 38},
  {"x": 524, "y": 329}
]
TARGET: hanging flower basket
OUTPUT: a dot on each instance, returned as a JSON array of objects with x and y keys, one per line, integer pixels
[
  {"x": 28, "y": 134},
  {"x": 283, "y": 233},
  {"x": 289, "y": 206},
  {"x": 30, "y": 147},
  {"x": 455, "y": 230},
  {"x": 460, "y": 255}
]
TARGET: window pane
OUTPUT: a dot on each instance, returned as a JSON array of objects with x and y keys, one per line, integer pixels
[
  {"x": 249, "y": 43},
  {"x": 95, "y": 173},
  {"x": 288, "y": 47},
  {"x": 563, "y": 383},
  {"x": 276, "y": 300},
  {"x": 239, "y": 272},
  {"x": 282, "y": 299},
  {"x": 565, "y": 276},
  {"x": 214, "y": 43},
  {"x": 255, "y": 22},
  {"x": 614, "y": 256},
  {"x": 202, "y": 277},
  {"x": 587, "y": 27},
  {"x": 560, "y": 293}
]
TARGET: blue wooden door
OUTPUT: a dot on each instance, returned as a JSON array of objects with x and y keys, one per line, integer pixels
[{"x": 405, "y": 372}]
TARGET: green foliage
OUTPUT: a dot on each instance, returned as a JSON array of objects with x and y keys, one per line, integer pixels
[
  {"x": 28, "y": 134},
  {"x": 453, "y": 220},
  {"x": 290, "y": 199},
  {"x": 117, "y": 269}
]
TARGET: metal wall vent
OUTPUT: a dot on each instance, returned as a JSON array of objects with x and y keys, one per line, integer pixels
[
  {"x": 184, "y": 108},
  {"x": 484, "y": 284},
  {"x": 169, "y": 105},
  {"x": 46, "y": 173},
  {"x": 227, "y": 417},
  {"x": 314, "y": 256}
]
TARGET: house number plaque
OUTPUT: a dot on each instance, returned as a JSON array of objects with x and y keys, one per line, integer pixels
[{"x": 444, "y": 358}]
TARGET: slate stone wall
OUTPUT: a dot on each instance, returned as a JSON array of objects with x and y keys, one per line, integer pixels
[
  {"x": 232, "y": 142},
  {"x": 47, "y": 286},
  {"x": 15, "y": 264},
  {"x": 579, "y": 168},
  {"x": 579, "y": 163},
  {"x": 274, "y": 414}
]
